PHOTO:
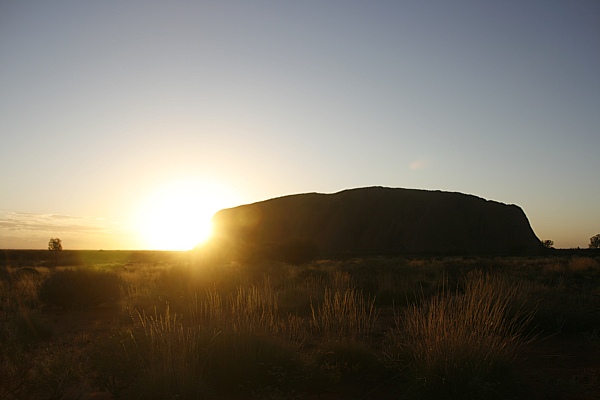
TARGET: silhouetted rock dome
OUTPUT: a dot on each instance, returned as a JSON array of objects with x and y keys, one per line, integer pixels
[{"x": 377, "y": 221}]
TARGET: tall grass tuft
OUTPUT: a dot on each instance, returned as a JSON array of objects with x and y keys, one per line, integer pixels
[
  {"x": 344, "y": 315},
  {"x": 171, "y": 357},
  {"x": 233, "y": 343},
  {"x": 463, "y": 345},
  {"x": 254, "y": 310}
]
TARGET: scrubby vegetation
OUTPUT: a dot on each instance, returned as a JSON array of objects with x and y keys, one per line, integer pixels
[
  {"x": 377, "y": 328},
  {"x": 81, "y": 288}
]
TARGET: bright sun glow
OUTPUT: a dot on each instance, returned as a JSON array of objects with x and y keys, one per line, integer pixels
[{"x": 177, "y": 216}]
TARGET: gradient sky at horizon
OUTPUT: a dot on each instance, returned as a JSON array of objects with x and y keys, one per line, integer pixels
[{"x": 103, "y": 103}]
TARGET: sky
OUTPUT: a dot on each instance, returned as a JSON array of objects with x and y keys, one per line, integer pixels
[{"x": 127, "y": 124}]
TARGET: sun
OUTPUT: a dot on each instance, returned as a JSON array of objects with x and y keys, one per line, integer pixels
[{"x": 177, "y": 215}]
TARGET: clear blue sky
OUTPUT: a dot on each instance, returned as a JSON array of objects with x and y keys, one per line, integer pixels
[{"x": 104, "y": 103}]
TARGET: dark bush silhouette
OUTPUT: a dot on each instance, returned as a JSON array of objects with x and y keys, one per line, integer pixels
[
  {"x": 595, "y": 242},
  {"x": 548, "y": 243},
  {"x": 55, "y": 245},
  {"x": 81, "y": 288}
]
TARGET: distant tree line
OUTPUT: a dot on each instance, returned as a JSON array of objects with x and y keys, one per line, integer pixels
[{"x": 594, "y": 242}]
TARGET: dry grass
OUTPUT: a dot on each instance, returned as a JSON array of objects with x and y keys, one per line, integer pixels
[
  {"x": 171, "y": 356},
  {"x": 583, "y": 264},
  {"x": 224, "y": 343},
  {"x": 463, "y": 344},
  {"x": 344, "y": 315},
  {"x": 456, "y": 327}
]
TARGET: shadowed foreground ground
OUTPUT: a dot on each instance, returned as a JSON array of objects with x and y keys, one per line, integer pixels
[{"x": 372, "y": 328}]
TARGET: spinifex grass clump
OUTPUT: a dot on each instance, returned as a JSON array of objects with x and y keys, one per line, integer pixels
[
  {"x": 81, "y": 288},
  {"x": 23, "y": 284},
  {"x": 170, "y": 357},
  {"x": 583, "y": 264},
  {"x": 344, "y": 315},
  {"x": 254, "y": 310},
  {"x": 230, "y": 343},
  {"x": 463, "y": 345},
  {"x": 250, "y": 309}
]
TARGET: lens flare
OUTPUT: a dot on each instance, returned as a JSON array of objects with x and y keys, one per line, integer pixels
[{"x": 177, "y": 216}]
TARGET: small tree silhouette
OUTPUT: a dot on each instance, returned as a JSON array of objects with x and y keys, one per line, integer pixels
[
  {"x": 595, "y": 242},
  {"x": 55, "y": 245},
  {"x": 548, "y": 243}
]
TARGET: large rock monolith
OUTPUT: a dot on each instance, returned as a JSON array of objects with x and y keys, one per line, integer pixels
[{"x": 375, "y": 221}]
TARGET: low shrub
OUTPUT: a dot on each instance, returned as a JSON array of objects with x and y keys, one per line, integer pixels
[
  {"x": 353, "y": 363},
  {"x": 57, "y": 374},
  {"x": 31, "y": 327},
  {"x": 81, "y": 288},
  {"x": 566, "y": 310},
  {"x": 112, "y": 363},
  {"x": 242, "y": 362},
  {"x": 16, "y": 363}
]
